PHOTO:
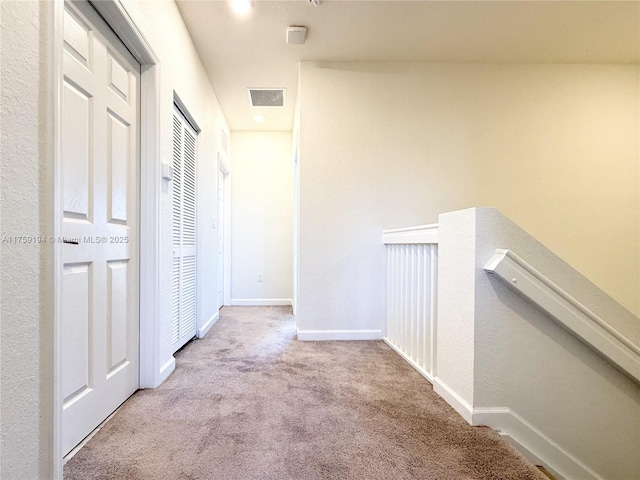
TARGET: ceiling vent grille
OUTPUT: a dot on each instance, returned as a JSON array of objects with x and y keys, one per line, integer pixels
[{"x": 267, "y": 97}]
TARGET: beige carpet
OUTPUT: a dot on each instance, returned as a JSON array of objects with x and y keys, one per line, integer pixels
[{"x": 250, "y": 402}]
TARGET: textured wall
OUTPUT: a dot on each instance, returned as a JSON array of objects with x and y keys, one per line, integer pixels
[
  {"x": 456, "y": 302},
  {"x": 555, "y": 147},
  {"x": 181, "y": 71},
  {"x": 26, "y": 409},
  {"x": 262, "y": 215},
  {"x": 526, "y": 361}
]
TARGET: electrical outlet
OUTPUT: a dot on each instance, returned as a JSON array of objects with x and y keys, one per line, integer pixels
[{"x": 259, "y": 277}]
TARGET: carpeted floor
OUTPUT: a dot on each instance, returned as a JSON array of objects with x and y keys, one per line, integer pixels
[{"x": 250, "y": 402}]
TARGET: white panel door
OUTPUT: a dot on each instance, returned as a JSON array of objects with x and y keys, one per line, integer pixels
[
  {"x": 184, "y": 231},
  {"x": 99, "y": 197},
  {"x": 221, "y": 245}
]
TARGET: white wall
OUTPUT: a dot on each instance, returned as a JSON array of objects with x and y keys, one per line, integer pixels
[
  {"x": 524, "y": 360},
  {"x": 182, "y": 71},
  {"x": 261, "y": 218},
  {"x": 26, "y": 387},
  {"x": 456, "y": 300},
  {"x": 555, "y": 147}
]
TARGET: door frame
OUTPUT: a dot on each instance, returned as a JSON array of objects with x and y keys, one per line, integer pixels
[
  {"x": 224, "y": 218},
  {"x": 151, "y": 372}
]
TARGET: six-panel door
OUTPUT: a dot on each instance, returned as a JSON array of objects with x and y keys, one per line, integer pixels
[{"x": 100, "y": 293}]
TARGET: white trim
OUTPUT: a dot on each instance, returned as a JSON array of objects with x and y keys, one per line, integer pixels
[
  {"x": 117, "y": 17},
  {"x": 530, "y": 441},
  {"x": 408, "y": 359},
  {"x": 520, "y": 276},
  {"x": 204, "y": 329},
  {"x": 535, "y": 459},
  {"x": 182, "y": 107},
  {"x": 223, "y": 166},
  {"x": 433, "y": 303},
  {"x": 411, "y": 235},
  {"x": 324, "y": 335},
  {"x": 166, "y": 369},
  {"x": 260, "y": 302},
  {"x": 150, "y": 173},
  {"x": 295, "y": 271},
  {"x": 533, "y": 444},
  {"x": 57, "y": 86},
  {"x": 458, "y": 403},
  {"x": 227, "y": 240}
]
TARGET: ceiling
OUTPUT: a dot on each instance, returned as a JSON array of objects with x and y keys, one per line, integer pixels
[{"x": 252, "y": 52}]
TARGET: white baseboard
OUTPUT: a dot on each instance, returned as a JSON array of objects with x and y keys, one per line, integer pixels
[
  {"x": 534, "y": 444},
  {"x": 322, "y": 335},
  {"x": 260, "y": 302},
  {"x": 409, "y": 360},
  {"x": 204, "y": 329},
  {"x": 458, "y": 403},
  {"x": 521, "y": 434}
]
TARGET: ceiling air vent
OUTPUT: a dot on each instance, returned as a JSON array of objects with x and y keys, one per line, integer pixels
[{"x": 266, "y": 97}]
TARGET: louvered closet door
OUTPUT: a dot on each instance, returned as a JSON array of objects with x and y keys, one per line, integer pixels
[{"x": 184, "y": 231}]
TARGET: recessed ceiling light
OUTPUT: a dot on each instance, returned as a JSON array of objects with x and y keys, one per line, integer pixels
[
  {"x": 259, "y": 118},
  {"x": 241, "y": 7}
]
